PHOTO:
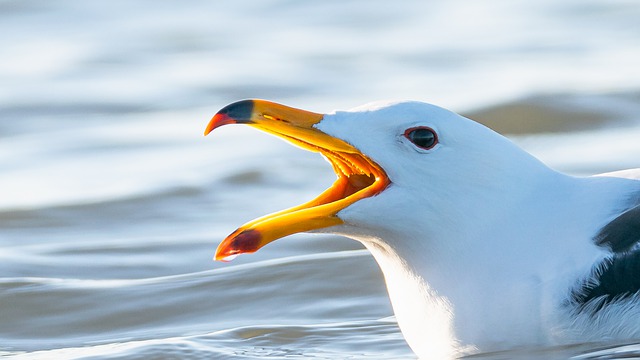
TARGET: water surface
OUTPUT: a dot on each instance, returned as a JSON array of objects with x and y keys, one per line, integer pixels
[{"x": 112, "y": 202}]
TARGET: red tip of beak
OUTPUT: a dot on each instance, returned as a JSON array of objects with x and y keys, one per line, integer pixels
[
  {"x": 247, "y": 241},
  {"x": 238, "y": 112},
  {"x": 218, "y": 120}
]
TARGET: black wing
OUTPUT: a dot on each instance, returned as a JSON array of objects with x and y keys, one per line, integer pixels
[
  {"x": 618, "y": 276},
  {"x": 622, "y": 233}
]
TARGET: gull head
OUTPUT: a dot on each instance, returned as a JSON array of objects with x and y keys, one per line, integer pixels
[{"x": 426, "y": 190}]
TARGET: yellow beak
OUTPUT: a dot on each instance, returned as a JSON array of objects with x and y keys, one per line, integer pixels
[{"x": 358, "y": 176}]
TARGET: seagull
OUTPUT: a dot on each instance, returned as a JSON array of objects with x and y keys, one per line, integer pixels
[{"x": 482, "y": 246}]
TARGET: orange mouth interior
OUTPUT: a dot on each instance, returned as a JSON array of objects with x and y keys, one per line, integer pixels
[{"x": 358, "y": 176}]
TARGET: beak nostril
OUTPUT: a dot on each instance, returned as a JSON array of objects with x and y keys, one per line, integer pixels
[{"x": 274, "y": 118}]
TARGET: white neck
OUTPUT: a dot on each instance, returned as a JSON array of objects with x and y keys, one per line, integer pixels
[{"x": 416, "y": 306}]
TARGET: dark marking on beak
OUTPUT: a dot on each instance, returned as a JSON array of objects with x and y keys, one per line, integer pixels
[{"x": 240, "y": 111}]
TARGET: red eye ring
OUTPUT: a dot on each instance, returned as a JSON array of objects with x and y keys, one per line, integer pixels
[{"x": 422, "y": 136}]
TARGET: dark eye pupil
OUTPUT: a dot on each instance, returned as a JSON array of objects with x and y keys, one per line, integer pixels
[{"x": 422, "y": 137}]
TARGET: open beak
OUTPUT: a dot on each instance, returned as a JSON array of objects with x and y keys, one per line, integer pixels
[{"x": 358, "y": 176}]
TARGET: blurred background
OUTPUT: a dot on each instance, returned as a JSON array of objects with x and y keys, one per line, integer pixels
[{"x": 112, "y": 202}]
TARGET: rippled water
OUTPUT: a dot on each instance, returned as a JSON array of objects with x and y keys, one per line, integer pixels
[{"x": 112, "y": 202}]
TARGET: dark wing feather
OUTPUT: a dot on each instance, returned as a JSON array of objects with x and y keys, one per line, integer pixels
[
  {"x": 622, "y": 233},
  {"x": 618, "y": 278}
]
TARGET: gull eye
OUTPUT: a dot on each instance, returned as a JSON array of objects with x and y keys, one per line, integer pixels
[{"x": 422, "y": 136}]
